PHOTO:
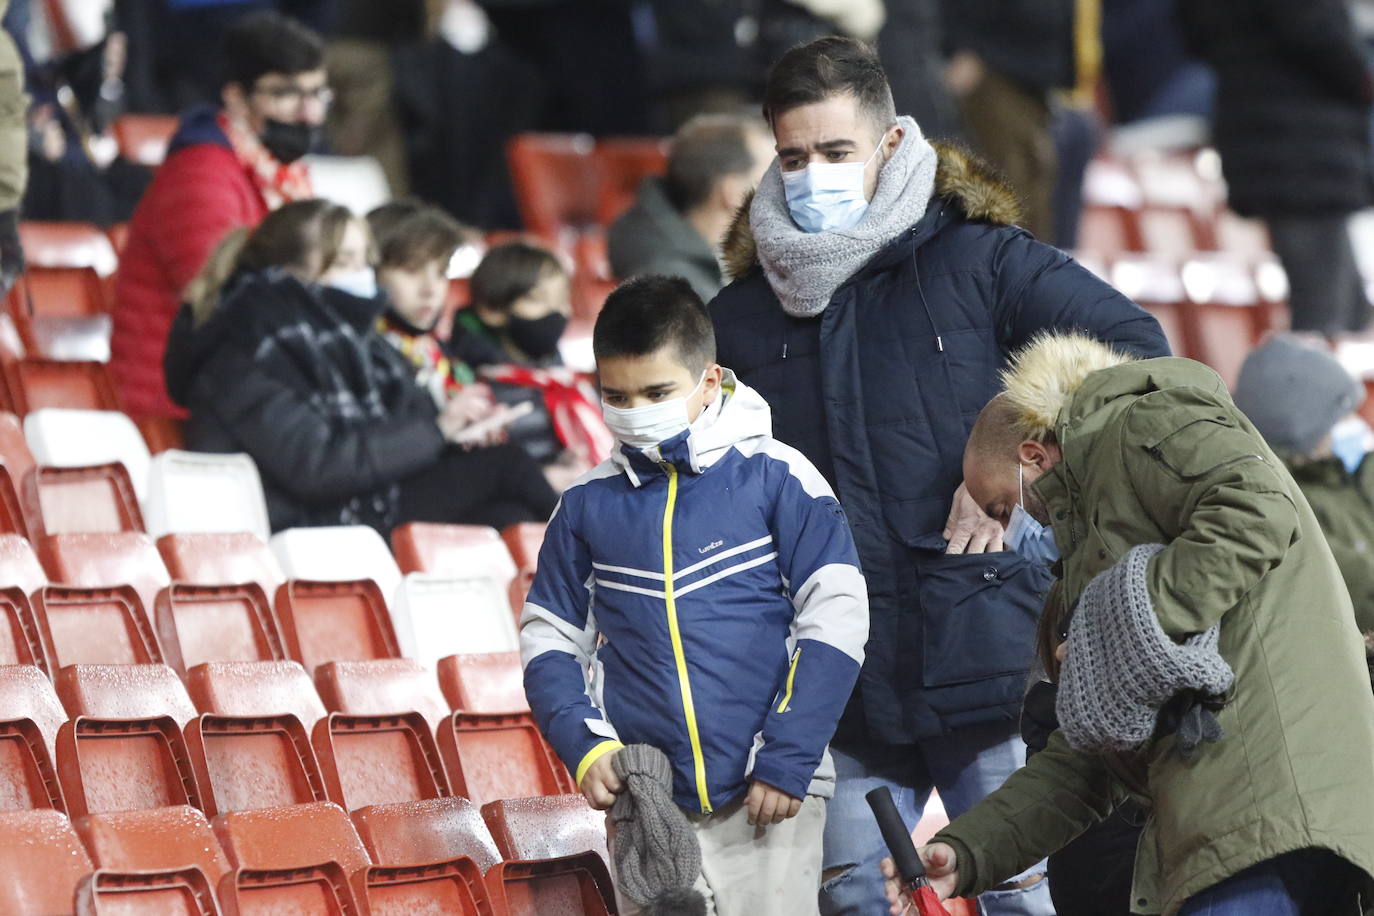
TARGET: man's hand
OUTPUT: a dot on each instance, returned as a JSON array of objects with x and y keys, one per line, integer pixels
[
  {"x": 600, "y": 784},
  {"x": 768, "y": 805},
  {"x": 941, "y": 871},
  {"x": 969, "y": 529}
]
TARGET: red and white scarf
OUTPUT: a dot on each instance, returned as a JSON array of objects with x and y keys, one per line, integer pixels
[
  {"x": 569, "y": 400},
  {"x": 277, "y": 183}
]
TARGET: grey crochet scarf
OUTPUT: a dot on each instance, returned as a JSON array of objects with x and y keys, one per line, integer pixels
[
  {"x": 1122, "y": 670},
  {"x": 805, "y": 268},
  {"x": 657, "y": 855}
]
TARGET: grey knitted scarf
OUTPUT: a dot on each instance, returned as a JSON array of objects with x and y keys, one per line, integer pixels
[
  {"x": 1123, "y": 670},
  {"x": 805, "y": 268},
  {"x": 657, "y": 856}
]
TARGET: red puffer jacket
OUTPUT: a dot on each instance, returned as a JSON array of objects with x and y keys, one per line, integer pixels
[{"x": 200, "y": 193}]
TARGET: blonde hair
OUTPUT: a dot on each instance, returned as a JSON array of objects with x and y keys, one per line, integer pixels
[{"x": 202, "y": 293}]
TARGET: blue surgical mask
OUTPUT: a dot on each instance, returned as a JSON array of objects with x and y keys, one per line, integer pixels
[
  {"x": 1027, "y": 536},
  {"x": 1350, "y": 442},
  {"x": 826, "y": 196}
]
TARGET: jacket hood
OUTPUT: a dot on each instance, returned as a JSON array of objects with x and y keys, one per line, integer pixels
[
  {"x": 1047, "y": 373},
  {"x": 198, "y": 124},
  {"x": 1131, "y": 379},
  {"x": 961, "y": 179},
  {"x": 739, "y": 414}
]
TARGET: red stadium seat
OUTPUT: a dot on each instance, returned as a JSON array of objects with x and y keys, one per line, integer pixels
[
  {"x": 66, "y": 292},
  {"x": 119, "y": 236},
  {"x": 177, "y": 892},
  {"x": 67, "y": 243},
  {"x": 451, "y": 550},
  {"x": 575, "y": 885},
  {"x": 625, "y": 163},
  {"x": 37, "y": 383},
  {"x": 19, "y": 566},
  {"x": 26, "y": 694},
  {"x": 272, "y": 846},
  {"x": 557, "y": 182},
  {"x": 163, "y": 839},
  {"x": 319, "y": 890},
  {"x": 335, "y": 621},
  {"x": 378, "y": 760},
  {"x": 1157, "y": 286},
  {"x": 454, "y": 887},
  {"x": 255, "y": 689},
  {"x": 216, "y": 623},
  {"x": 94, "y": 626},
  {"x": 143, "y": 138},
  {"x": 124, "y": 765},
  {"x": 1174, "y": 232},
  {"x": 489, "y": 683},
  {"x": 221, "y": 559},
  {"x": 99, "y": 499},
  {"x": 20, "y": 640},
  {"x": 19, "y": 506},
  {"x": 42, "y": 860},
  {"x": 524, "y": 540},
  {"x": 433, "y": 830},
  {"x": 493, "y": 757},
  {"x": 1108, "y": 231},
  {"x": 123, "y": 692},
  {"x": 592, "y": 279},
  {"x": 381, "y": 687},
  {"x": 1226, "y": 316},
  {"x": 546, "y": 828},
  {"x": 247, "y": 763},
  {"x": 28, "y": 776},
  {"x": 105, "y": 561}
]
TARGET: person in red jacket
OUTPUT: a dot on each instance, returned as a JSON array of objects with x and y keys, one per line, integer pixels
[{"x": 226, "y": 167}]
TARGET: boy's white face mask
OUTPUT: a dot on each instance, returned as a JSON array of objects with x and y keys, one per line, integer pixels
[{"x": 647, "y": 426}]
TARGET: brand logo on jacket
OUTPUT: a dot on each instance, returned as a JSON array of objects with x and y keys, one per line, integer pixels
[{"x": 710, "y": 547}]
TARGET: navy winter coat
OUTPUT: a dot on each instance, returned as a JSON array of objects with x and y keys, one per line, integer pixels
[{"x": 880, "y": 392}]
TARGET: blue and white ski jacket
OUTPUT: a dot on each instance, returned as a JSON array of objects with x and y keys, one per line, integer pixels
[{"x": 704, "y": 597}]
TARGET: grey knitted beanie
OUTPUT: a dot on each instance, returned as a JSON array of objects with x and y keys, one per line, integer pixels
[
  {"x": 657, "y": 855},
  {"x": 1122, "y": 669},
  {"x": 1294, "y": 393}
]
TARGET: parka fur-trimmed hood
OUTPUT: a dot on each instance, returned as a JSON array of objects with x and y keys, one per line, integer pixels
[
  {"x": 961, "y": 178},
  {"x": 1047, "y": 372}
]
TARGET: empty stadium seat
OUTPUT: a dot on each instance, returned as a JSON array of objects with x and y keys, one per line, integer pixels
[
  {"x": 339, "y": 553},
  {"x": 546, "y": 828},
  {"x": 381, "y": 686},
  {"x": 295, "y": 837},
  {"x": 319, "y": 890},
  {"x": 624, "y": 164},
  {"x": 557, "y": 182},
  {"x": 28, "y": 776},
  {"x": 1108, "y": 231},
  {"x": 1226, "y": 317},
  {"x": 195, "y": 492},
  {"x": 161, "y": 434},
  {"x": 19, "y": 511},
  {"x": 378, "y": 760},
  {"x": 175, "y": 892},
  {"x": 449, "y": 616},
  {"x": 99, "y": 499},
  {"x": 255, "y": 689},
  {"x": 19, "y": 566},
  {"x": 491, "y": 682},
  {"x": 67, "y": 243},
  {"x": 35, "y": 383},
  {"x": 143, "y": 138},
  {"x": 1157, "y": 286},
  {"x": 42, "y": 860},
  {"x": 162, "y": 839},
  {"x": 335, "y": 621},
  {"x": 124, "y": 765},
  {"x": 94, "y": 626},
  {"x": 1173, "y": 232},
  {"x": 66, "y": 292},
  {"x": 205, "y": 558},
  {"x": 578, "y": 884},
  {"x": 62, "y": 313},
  {"x": 216, "y": 623},
  {"x": 123, "y": 692},
  {"x": 523, "y": 540},
  {"x": 25, "y": 693},
  {"x": 105, "y": 561},
  {"x": 494, "y": 756},
  {"x": 249, "y": 762},
  {"x": 454, "y": 887},
  {"x": 452, "y": 550},
  {"x": 432, "y": 830},
  {"x": 77, "y": 438},
  {"x": 20, "y": 640}
]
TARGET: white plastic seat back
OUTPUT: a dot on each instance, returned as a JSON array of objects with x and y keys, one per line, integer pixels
[
  {"x": 356, "y": 182},
  {"x": 338, "y": 554},
  {"x": 453, "y": 616},
  {"x": 63, "y": 438},
  {"x": 191, "y": 492}
]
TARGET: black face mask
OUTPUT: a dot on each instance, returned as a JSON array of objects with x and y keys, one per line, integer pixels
[
  {"x": 288, "y": 142},
  {"x": 537, "y": 338}
]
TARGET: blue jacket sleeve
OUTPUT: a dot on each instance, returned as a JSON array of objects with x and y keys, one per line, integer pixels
[
  {"x": 557, "y": 641},
  {"x": 821, "y": 566},
  {"x": 1039, "y": 288}
]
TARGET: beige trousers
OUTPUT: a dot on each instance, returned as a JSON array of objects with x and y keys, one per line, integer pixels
[{"x": 754, "y": 871}]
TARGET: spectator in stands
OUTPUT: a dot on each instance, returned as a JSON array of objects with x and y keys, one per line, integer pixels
[
  {"x": 281, "y": 359},
  {"x": 763, "y": 565},
  {"x": 520, "y": 307},
  {"x": 878, "y": 281},
  {"x": 1292, "y": 127},
  {"x": 13, "y": 165},
  {"x": 415, "y": 242},
  {"x": 678, "y": 221},
  {"x": 225, "y": 168},
  {"x": 1207, "y": 658}
]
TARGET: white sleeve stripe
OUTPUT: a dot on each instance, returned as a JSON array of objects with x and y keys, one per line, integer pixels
[
  {"x": 542, "y": 631},
  {"x": 832, "y": 607}
]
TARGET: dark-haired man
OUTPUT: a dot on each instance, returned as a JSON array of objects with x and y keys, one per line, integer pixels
[
  {"x": 677, "y": 222},
  {"x": 226, "y": 167},
  {"x": 879, "y": 282}
]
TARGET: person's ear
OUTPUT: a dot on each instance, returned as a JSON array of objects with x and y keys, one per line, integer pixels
[
  {"x": 893, "y": 140},
  {"x": 710, "y": 386},
  {"x": 234, "y": 98},
  {"x": 1034, "y": 454}
]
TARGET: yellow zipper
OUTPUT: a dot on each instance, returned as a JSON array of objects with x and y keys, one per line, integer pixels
[
  {"x": 688, "y": 709},
  {"x": 791, "y": 677}
]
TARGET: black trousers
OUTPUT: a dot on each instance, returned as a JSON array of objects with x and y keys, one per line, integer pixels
[
  {"x": 497, "y": 486},
  {"x": 1325, "y": 290}
]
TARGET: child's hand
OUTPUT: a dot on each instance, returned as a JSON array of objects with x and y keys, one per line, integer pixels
[
  {"x": 768, "y": 805},
  {"x": 942, "y": 872},
  {"x": 600, "y": 784}
]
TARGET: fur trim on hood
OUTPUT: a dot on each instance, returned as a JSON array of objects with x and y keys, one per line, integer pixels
[
  {"x": 961, "y": 179},
  {"x": 1047, "y": 372}
]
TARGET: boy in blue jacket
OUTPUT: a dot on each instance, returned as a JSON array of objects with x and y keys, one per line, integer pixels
[{"x": 699, "y": 592}]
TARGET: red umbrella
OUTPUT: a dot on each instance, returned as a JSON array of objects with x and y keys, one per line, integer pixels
[{"x": 904, "y": 854}]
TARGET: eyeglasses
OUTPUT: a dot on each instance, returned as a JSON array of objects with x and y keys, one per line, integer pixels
[{"x": 297, "y": 95}]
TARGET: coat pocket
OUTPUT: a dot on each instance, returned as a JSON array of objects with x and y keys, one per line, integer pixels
[{"x": 978, "y": 615}]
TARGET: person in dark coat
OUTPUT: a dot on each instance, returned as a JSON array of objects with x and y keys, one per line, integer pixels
[
  {"x": 283, "y": 363},
  {"x": 877, "y": 337},
  {"x": 1292, "y": 128}
]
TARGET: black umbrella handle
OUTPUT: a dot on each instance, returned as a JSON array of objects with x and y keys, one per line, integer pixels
[{"x": 897, "y": 837}]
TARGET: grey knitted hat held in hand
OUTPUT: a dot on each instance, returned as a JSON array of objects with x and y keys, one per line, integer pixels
[
  {"x": 657, "y": 855},
  {"x": 1122, "y": 669}
]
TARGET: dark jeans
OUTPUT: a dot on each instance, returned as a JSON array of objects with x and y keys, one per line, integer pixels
[
  {"x": 1325, "y": 290},
  {"x": 496, "y": 486},
  {"x": 1309, "y": 882},
  {"x": 1092, "y": 875}
]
